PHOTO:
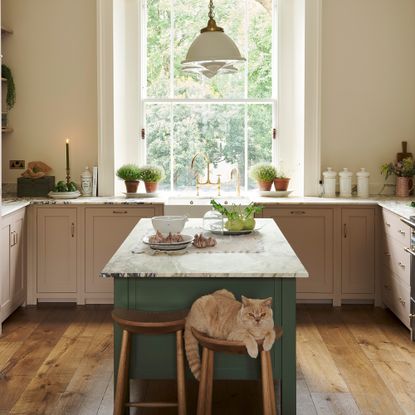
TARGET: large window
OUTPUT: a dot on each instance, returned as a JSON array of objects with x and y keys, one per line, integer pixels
[{"x": 229, "y": 117}]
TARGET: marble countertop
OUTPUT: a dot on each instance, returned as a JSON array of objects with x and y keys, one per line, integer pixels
[
  {"x": 400, "y": 206},
  {"x": 276, "y": 260},
  {"x": 12, "y": 206}
]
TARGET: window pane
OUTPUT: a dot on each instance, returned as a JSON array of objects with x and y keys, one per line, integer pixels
[
  {"x": 259, "y": 135},
  {"x": 157, "y": 118},
  {"x": 158, "y": 48},
  {"x": 218, "y": 131},
  {"x": 260, "y": 49}
]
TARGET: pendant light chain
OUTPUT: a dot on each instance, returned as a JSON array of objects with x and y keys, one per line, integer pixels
[{"x": 211, "y": 14}]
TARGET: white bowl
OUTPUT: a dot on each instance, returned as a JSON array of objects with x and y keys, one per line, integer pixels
[{"x": 167, "y": 224}]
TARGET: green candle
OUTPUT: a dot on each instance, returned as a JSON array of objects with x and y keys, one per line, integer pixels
[{"x": 67, "y": 154}]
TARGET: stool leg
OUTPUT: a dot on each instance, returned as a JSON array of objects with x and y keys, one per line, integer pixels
[
  {"x": 209, "y": 382},
  {"x": 265, "y": 385},
  {"x": 271, "y": 384},
  {"x": 122, "y": 378},
  {"x": 201, "y": 405},
  {"x": 181, "y": 381}
]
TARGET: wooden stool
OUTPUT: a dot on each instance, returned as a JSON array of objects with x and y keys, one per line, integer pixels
[
  {"x": 210, "y": 346},
  {"x": 145, "y": 322}
]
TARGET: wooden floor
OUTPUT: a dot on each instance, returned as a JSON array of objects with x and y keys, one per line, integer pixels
[{"x": 353, "y": 360}]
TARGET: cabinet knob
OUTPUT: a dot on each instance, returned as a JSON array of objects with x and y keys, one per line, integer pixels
[
  {"x": 401, "y": 265},
  {"x": 402, "y": 232},
  {"x": 402, "y": 301},
  {"x": 411, "y": 316}
]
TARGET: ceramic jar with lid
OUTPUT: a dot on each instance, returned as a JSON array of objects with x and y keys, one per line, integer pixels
[
  {"x": 86, "y": 183},
  {"x": 345, "y": 183},
  {"x": 329, "y": 183},
  {"x": 363, "y": 183}
]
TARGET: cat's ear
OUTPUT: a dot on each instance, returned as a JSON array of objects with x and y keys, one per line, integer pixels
[
  {"x": 245, "y": 301},
  {"x": 267, "y": 302}
]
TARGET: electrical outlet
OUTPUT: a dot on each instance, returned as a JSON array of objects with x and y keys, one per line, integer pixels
[{"x": 17, "y": 164}]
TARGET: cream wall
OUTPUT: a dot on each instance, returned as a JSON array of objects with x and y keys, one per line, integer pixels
[
  {"x": 52, "y": 54},
  {"x": 368, "y": 75}
]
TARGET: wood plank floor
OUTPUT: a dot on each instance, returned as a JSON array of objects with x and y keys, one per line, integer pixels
[{"x": 57, "y": 359}]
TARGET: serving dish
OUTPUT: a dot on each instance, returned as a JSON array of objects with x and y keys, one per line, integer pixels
[
  {"x": 171, "y": 246},
  {"x": 169, "y": 224},
  {"x": 64, "y": 195}
]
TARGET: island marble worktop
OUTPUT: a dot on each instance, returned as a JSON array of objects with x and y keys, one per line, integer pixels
[{"x": 276, "y": 259}]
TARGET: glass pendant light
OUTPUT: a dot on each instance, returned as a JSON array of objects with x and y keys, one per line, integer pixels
[{"x": 212, "y": 52}]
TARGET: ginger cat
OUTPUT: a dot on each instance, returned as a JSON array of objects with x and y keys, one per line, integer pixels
[{"x": 221, "y": 316}]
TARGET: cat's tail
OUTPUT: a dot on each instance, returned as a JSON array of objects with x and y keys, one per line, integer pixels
[{"x": 192, "y": 351}]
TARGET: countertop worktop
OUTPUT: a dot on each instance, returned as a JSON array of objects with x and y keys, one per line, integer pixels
[
  {"x": 276, "y": 259},
  {"x": 400, "y": 206}
]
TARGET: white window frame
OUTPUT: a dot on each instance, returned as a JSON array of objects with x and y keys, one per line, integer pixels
[
  {"x": 298, "y": 121},
  {"x": 172, "y": 100}
]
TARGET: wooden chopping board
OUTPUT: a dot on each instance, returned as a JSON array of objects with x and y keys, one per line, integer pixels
[{"x": 404, "y": 154}]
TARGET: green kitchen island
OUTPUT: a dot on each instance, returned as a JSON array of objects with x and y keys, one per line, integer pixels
[{"x": 259, "y": 265}]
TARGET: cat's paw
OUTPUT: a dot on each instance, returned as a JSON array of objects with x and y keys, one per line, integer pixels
[
  {"x": 268, "y": 343},
  {"x": 252, "y": 349},
  {"x": 269, "y": 340}
]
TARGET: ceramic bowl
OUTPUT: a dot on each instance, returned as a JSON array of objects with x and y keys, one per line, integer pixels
[{"x": 167, "y": 224}]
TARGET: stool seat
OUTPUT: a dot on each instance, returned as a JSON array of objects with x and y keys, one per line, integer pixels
[
  {"x": 150, "y": 322},
  {"x": 228, "y": 346}
]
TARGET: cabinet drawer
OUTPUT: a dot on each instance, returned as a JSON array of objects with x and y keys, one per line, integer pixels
[
  {"x": 395, "y": 228},
  {"x": 397, "y": 259},
  {"x": 396, "y": 295}
]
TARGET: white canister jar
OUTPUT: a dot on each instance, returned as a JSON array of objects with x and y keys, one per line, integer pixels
[
  {"x": 86, "y": 183},
  {"x": 363, "y": 183},
  {"x": 329, "y": 183},
  {"x": 345, "y": 183}
]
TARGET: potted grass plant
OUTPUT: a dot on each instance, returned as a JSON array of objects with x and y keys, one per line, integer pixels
[
  {"x": 131, "y": 175},
  {"x": 281, "y": 181},
  {"x": 151, "y": 176},
  {"x": 404, "y": 171},
  {"x": 264, "y": 174}
]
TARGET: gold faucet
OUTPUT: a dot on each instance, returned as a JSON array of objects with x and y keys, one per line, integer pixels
[
  {"x": 208, "y": 182},
  {"x": 235, "y": 173}
]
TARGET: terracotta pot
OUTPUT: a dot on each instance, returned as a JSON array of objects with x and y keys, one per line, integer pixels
[
  {"x": 151, "y": 187},
  {"x": 131, "y": 185},
  {"x": 404, "y": 186},
  {"x": 264, "y": 186},
  {"x": 281, "y": 184}
]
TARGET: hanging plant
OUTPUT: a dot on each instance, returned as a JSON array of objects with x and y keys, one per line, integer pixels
[{"x": 11, "y": 89}]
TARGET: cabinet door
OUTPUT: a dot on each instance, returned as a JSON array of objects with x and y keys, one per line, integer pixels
[
  {"x": 17, "y": 284},
  {"x": 310, "y": 233},
  {"x": 358, "y": 251},
  {"x": 106, "y": 229},
  {"x": 5, "y": 295},
  {"x": 56, "y": 242}
]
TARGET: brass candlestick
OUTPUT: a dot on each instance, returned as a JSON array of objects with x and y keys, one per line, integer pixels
[{"x": 68, "y": 176}]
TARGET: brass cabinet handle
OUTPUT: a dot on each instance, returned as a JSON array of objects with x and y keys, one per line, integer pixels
[
  {"x": 13, "y": 238},
  {"x": 345, "y": 230},
  {"x": 119, "y": 212},
  {"x": 73, "y": 229},
  {"x": 298, "y": 212}
]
